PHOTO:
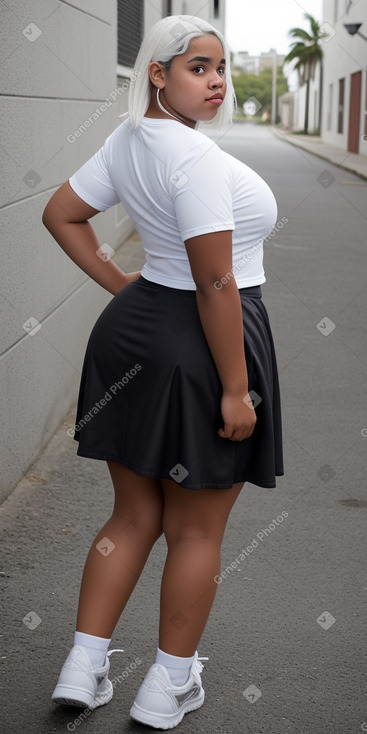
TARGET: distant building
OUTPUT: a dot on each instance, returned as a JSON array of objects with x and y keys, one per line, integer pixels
[
  {"x": 266, "y": 59},
  {"x": 255, "y": 64},
  {"x": 247, "y": 63}
]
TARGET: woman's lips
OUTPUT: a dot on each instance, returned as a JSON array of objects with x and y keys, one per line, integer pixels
[{"x": 216, "y": 100}]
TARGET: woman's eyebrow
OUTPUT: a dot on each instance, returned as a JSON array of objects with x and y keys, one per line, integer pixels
[{"x": 204, "y": 58}]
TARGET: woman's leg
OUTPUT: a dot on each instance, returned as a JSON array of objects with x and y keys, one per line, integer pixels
[
  {"x": 194, "y": 522},
  {"x": 111, "y": 572}
]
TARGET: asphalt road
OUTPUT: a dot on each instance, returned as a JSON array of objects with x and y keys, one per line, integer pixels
[{"x": 286, "y": 638}]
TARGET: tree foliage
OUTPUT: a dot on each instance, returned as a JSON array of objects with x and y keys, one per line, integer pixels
[
  {"x": 307, "y": 53},
  {"x": 306, "y": 49},
  {"x": 259, "y": 86}
]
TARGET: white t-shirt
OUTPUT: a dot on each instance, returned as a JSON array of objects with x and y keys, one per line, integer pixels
[{"x": 176, "y": 183}]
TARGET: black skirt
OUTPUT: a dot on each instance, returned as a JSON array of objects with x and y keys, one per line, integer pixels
[{"x": 150, "y": 392}]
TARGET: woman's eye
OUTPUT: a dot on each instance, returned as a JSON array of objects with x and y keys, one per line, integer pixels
[{"x": 221, "y": 69}]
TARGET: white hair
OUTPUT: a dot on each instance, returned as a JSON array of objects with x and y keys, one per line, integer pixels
[{"x": 168, "y": 38}]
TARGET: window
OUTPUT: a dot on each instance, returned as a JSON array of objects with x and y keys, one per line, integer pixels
[
  {"x": 130, "y": 24},
  {"x": 341, "y": 105},
  {"x": 329, "y": 121},
  {"x": 216, "y": 8}
]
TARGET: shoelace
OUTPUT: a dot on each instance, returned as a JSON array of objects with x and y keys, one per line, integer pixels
[
  {"x": 199, "y": 663},
  {"x": 118, "y": 649}
]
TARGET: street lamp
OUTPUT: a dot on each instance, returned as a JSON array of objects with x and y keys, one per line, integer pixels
[{"x": 353, "y": 28}]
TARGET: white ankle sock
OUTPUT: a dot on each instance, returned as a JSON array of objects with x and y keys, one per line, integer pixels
[
  {"x": 178, "y": 668},
  {"x": 96, "y": 647}
]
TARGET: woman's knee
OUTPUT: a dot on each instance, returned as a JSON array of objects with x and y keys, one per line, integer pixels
[
  {"x": 190, "y": 525},
  {"x": 189, "y": 534}
]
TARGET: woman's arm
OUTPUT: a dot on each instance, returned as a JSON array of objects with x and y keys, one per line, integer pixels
[
  {"x": 65, "y": 217},
  {"x": 220, "y": 313}
]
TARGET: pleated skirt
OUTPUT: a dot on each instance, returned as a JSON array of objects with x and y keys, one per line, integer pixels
[{"x": 150, "y": 392}]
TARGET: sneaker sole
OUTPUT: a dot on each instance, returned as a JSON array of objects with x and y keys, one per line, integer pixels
[
  {"x": 165, "y": 722},
  {"x": 67, "y": 696}
]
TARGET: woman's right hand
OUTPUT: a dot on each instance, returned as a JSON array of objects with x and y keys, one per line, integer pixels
[{"x": 238, "y": 415}]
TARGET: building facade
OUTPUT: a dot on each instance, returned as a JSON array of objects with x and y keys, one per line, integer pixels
[
  {"x": 344, "y": 122},
  {"x": 340, "y": 79},
  {"x": 65, "y": 72}
]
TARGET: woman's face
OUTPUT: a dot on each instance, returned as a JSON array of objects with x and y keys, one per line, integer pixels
[{"x": 193, "y": 78}]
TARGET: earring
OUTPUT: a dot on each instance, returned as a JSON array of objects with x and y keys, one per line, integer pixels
[{"x": 159, "y": 103}]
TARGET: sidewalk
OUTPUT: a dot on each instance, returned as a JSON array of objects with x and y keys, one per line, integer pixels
[{"x": 355, "y": 163}]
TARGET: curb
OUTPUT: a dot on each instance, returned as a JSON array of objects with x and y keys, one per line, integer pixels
[{"x": 318, "y": 154}]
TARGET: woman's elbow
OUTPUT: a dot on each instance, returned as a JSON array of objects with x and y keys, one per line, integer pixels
[
  {"x": 45, "y": 217},
  {"x": 46, "y": 221},
  {"x": 51, "y": 215}
]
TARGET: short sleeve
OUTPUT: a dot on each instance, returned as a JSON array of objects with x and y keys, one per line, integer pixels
[
  {"x": 201, "y": 188},
  {"x": 93, "y": 184}
]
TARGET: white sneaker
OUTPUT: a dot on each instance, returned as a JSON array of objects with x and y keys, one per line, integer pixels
[
  {"x": 161, "y": 704},
  {"x": 82, "y": 685}
]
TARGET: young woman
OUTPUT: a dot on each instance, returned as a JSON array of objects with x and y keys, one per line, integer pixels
[{"x": 179, "y": 391}]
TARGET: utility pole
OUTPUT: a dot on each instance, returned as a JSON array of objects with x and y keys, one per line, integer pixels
[{"x": 274, "y": 89}]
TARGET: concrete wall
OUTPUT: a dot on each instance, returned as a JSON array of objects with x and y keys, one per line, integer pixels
[
  {"x": 58, "y": 67},
  {"x": 343, "y": 56}
]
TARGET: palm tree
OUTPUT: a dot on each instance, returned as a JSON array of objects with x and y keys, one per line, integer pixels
[{"x": 307, "y": 50}]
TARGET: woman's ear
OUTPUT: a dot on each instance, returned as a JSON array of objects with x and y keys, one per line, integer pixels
[{"x": 157, "y": 74}]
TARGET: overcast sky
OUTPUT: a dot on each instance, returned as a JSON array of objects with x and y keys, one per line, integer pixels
[{"x": 258, "y": 25}]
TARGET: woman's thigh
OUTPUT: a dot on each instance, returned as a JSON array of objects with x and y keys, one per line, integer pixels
[
  {"x": 198, "y": 513},
  {"x": 138, "y": 499}
]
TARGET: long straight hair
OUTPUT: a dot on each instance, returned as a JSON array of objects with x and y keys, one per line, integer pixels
[{"x": 168, "y": 38}]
